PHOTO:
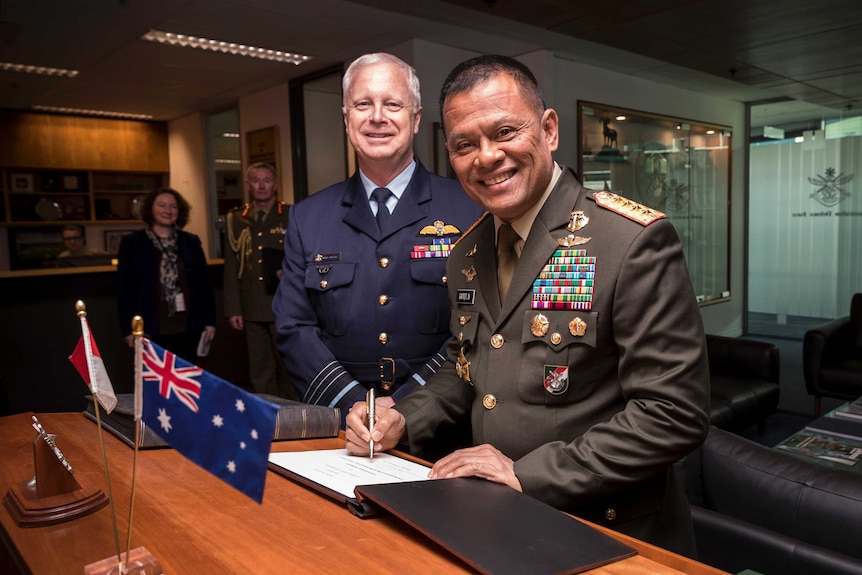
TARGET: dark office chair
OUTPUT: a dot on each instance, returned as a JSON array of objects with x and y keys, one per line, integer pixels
[{"x": 832, "y": 357}]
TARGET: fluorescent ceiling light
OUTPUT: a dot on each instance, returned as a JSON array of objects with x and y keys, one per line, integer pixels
[
  {"x": 43, "y": 70},
  {"x": 230, "y": 135},
  {"x": 226, "y": 47},
  {"x": 100, "y": 113}
]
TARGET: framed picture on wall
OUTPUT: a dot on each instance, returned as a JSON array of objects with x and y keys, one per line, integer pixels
[
  {"x": 262, "y": 146},
  {"x": 22, "y": 183},
  {"x": 113, "y": 238}
]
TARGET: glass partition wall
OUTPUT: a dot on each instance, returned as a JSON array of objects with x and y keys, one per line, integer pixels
[
  {"x": 679, "y": 167},
  {"x": 805, "y": 217}
]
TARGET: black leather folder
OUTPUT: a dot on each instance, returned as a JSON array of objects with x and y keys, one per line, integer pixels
[{"x": 495, "y": 529}]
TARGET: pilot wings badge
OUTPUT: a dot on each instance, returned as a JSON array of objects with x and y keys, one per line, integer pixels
[{"x": 439, "y": 229}]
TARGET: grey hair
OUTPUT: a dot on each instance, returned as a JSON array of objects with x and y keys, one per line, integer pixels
[{"x": 379, "y": 58}]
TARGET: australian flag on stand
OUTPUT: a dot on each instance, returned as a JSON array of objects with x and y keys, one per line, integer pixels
[{"x": 219, "y": 426}]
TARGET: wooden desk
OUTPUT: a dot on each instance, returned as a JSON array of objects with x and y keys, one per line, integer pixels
[{"x": 193, "y": 523}]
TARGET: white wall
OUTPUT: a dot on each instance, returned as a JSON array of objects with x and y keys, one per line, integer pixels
[{"x": 187, "y": 156}]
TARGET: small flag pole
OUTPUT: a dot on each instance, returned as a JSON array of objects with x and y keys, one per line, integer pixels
[
  {"x": 137, "y": 332},
  {"x": 81, "y": 310}
]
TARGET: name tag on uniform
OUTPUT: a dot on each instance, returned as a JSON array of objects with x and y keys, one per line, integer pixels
[{"x": 467, "y": 296}]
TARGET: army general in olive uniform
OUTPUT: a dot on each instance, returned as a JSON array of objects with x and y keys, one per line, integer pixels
[{"x": 252, "y": 266}]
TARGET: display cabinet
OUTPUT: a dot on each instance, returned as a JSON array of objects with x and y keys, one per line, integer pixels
[
  {"x": 677, "y": 166},
  {"x": 82, "y": 197}
]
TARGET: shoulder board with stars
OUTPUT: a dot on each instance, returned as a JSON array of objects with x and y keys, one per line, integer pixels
[
  {"x": 470, "y": 229},
  {"x": 629, "y": 208}
]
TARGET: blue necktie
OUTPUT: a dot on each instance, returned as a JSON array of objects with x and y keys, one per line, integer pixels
[{"x": 380, "y": 195}]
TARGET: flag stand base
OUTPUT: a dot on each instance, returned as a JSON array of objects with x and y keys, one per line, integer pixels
[
  {"x": 54, "y": 495},
  {"x": 140, "y": 562}
]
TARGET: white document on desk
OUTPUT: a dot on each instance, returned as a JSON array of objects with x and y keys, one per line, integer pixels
[{"x": 338, "y": 471}]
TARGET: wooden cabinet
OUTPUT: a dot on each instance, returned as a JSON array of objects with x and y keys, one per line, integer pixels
[
  {"x": 57, "y": 170},
  {"x": 71, "y": 196}
]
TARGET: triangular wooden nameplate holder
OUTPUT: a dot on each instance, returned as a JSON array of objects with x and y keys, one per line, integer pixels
[{"x": 54, "y": 495}]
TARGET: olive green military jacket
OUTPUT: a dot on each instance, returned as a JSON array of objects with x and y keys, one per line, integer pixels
[{"x": 253, "y": 254}]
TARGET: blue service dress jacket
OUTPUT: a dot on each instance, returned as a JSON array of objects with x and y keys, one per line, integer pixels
[
  {"x": 352, "y": 299},
  {"x": 138, "y": 287},
  {"x": 594, "y": 405}
]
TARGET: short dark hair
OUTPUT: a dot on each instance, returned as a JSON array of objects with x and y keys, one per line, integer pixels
[
  {"x": 182, "y": 204},
  {"x": 74, "y": 228},
  {"x": 482, "y": 68}
]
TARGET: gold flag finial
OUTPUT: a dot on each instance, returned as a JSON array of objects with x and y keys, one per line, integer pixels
[
  {"x": 80, "y": 308},
  {"x": 137, "y": 326}
]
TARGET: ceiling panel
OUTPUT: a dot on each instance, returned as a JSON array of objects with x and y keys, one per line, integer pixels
[{"x": 749, "y": 50}]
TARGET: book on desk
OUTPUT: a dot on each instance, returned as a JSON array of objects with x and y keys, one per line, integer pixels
[
  {"x": 490, "y": 526},
  {"x": 294, "y": 420}
]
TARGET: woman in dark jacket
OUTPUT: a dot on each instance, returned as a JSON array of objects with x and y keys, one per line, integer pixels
[{"x": 162, "y": 276}]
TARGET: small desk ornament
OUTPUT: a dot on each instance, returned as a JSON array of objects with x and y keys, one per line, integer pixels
[{"x": 54, "y": 494}]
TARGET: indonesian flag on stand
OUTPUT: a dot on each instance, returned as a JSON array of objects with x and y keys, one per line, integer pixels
[{"x": 100, "y": 384}]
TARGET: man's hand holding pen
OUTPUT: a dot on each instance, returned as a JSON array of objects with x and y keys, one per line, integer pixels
[{"x": 387, "y": 429}]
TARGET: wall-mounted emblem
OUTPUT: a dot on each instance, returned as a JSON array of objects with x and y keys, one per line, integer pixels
[{"x": 829, "y": 191}]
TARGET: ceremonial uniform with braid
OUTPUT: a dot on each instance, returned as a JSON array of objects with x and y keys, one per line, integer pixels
[{"x": 253, "y": 255}]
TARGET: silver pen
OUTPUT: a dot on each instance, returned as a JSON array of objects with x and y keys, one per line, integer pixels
[{"x": 369, "y": 402}]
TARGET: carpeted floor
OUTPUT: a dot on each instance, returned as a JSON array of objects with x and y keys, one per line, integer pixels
[{"x": 795, "y": 406}]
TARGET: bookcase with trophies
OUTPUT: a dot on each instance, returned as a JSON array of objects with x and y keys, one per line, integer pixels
[{"x": 61, "y": 170}]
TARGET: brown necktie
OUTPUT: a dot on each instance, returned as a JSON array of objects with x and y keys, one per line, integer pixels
[
  {"x": 507, "y": 258},
  {"x": 260, "y": 215}
]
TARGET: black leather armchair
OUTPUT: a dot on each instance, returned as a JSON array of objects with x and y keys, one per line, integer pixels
[
  {"x": 832, "y": 357},
  {"x": 744, "y": 388},
  {"x": 764, "y": 509}
]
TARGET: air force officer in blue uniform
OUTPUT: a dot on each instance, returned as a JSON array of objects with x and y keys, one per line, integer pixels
[{"x": 362, "y": 299}]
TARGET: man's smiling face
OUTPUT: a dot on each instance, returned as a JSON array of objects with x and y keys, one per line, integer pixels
[
  {"x": 379, "y": 114},
  {"x": 500, "y": 145}
]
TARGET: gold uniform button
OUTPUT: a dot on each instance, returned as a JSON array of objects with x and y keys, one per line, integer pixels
[
  {"x": 489, "y": 401},
  {"x": 497, "y": 341},
  {"x": 610, "y": 514},
  {"x": 260, "y": 278},
  {"x": 383, "y": 299},
  {"x": 260, "y": 234},
  {"x": 323, "y": 284},
  {"x": 384, "y": 262},
  {"x": 445, "y": 279},
  {"x": 260, "y": 261},
  {"x": 383, "y": 338},
  {"x": 259, "y": 247},
  {"x": 556, "y": 338}
]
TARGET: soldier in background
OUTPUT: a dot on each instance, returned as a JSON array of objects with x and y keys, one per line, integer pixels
[{"x": 252, "y": 267}]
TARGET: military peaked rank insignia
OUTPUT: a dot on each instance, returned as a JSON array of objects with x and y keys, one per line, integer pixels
[
  {"x": 577, "y": 220},
  {"x": 556, "y": 379},
  {"x": 473, "y": 251},
  {"x": 628, "y": 208},
  {"x": 439, "y": 229},
  {"x": 469, "y": 273},
  {"x": 566, "y": 281}
]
